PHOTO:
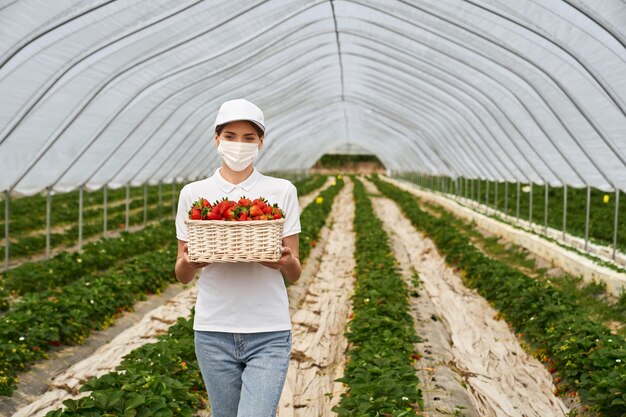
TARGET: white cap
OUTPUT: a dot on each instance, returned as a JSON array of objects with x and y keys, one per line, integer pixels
[{"x": 240, "y": 109}]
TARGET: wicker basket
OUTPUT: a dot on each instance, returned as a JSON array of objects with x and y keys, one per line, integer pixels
[{"x": 235, "y": 241}]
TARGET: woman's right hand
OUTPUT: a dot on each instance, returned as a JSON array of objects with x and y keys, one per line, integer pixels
[
  {"x": 185, "y": 270},
  {"x": 195, "y": 265}
]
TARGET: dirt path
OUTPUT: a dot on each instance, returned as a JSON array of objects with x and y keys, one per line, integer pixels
[
  {"x": 319, "y": 344},
  {"x": 307, "y": 199},
  {"x": 501, "y": 378},
  {"x": 52, "y": 381}
]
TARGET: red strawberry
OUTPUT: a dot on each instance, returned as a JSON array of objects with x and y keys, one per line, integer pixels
[
  {"x": 243, "y": 217},
  {"x": 223, "y": 206},
  {"x": 245, "y": 202},
  {"x": 277, "y": 213},
  {"x": 229, "y": 214},
  {"x": 213, "y": 215},
  {"x": 255, "y": 210},
  {"x": 263, "y": 217},
  {"x": 205, "y": 203},
  {"x": 195, "y": 214},
  {"x": 267, "y": 209}
]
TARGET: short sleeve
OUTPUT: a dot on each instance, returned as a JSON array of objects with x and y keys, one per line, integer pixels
[
  {"x": 292, "y": 212},
  {"x": 184, "y": 203}
]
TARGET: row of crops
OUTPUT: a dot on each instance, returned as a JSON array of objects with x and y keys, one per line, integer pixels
[
  {"x": 579, "y": 349},
  {"x": 124, "y": 208},
  {"x": 61, "y": 300},
  {"x": 163, "y": 379},
  {"x": 503, "y": 196},
  {"x": 78, "y": 293}
]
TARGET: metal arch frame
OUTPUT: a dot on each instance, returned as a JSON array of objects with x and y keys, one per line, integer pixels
[
  {"x": 462, "y": 103},
  {"x": 564, "y": 47},
  {"x": 45, "y": 31},
  {"x": 93, "y": 140},
  {"x": 118, "y": 74},
  {"x": 34, "y": 102},
  {"x": 588, "y": 14},
  {"x": 184, "y": 153},
  {"x": 388, "y": 117},
  {"x": 541, "y": 70},
  {"x": 479, "y": 92},
  {"x": 566, "y": 159},
  {"x": 302, "y": 103},
  {"x": 165, "y": 119},
  {"x": 438, "y": 114},
  {"x": 478, "y": 53}
]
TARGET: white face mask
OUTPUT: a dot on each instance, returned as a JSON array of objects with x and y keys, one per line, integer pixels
[{"x": 238, "y": 155}]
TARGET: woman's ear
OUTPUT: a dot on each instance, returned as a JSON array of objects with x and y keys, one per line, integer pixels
[
  {"x": 260, "y": 143},
  {"x": 216, "y": 140}
]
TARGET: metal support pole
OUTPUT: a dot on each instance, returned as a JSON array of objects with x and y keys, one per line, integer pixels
[
  {"x": 7, "y": 244},
  {"x": 487, "y": 194},
  {"x": 545, "y": 209},
  {"x": 145, "y": 203},
  {"x": 517, "y": 202},
  {"x": 127, "y": 206},
  {"x": 587, "y": 217},
  {"x": 530, "y": 204},
  {"x": 104, "y": 208},
  {"x": 48, "y": 214},
  {"x": 160, "y": 198},
  {"x": 506, "y": 197},
  {"x": 495, "y": 198},
  {"x": 615, "y": 223},
  {"x": 564, "y": 209},
  {"x": 80, "y": 218}
]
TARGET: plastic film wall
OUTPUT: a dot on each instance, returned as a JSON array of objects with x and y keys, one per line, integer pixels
[{"x": 126, "y": 92}]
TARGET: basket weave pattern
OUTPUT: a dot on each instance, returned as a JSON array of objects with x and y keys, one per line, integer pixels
[{"x": 234, "y": 241}]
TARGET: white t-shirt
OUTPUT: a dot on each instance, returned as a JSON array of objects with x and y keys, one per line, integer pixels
[{"x": 243, "y": 297}]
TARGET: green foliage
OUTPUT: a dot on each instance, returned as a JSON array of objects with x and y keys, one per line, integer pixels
[
  {"x": 28, "y": 217},
  {"x": 580, "y": 350},
  {"x": 95, "y": 256},
  {"x": 601, "y": 214},
  {"x": 68, "y": 314},
  {"x": 158, "y": 379},
  {"x": 343, "y": 161},
  {"x": 313, "y": 218},
  {"x": 380, "y": 377}
]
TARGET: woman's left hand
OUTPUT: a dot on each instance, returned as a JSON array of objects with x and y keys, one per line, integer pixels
[{"x": 285, "y": 258}]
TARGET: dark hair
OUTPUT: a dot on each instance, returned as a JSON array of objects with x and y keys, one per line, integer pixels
[{"x": 259, "y": 131}]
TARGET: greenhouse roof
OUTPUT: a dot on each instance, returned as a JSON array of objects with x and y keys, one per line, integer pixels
[{"x": 125, "y": 92}]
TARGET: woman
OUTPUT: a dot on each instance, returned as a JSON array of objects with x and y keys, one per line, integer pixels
[{"x": 242, "y": 325}]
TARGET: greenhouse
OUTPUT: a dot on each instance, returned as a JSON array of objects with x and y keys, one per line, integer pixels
[{"x": 313, "y": 208}]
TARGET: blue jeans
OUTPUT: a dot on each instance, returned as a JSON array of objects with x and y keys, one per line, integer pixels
[{"x": 244, "y": 373}]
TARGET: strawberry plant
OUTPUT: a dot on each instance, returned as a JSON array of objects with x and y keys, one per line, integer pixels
[
  {"x": 157, "y": 379},
  {"x": 379, "y": 374},
  {"x": 577, "y": 348},
  {"x": 68, "y": 314},
  {"x": 95, "y": 256}
]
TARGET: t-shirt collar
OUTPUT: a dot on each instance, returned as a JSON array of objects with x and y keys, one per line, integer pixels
[{"x": 246, "y": 184}]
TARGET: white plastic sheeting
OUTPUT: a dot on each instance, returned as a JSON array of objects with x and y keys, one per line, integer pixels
[{"x": 126, "y": 92}]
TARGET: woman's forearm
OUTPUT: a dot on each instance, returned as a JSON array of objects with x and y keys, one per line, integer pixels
[
  {"x": 292, "y": 270},
  {"x": 185, "y": 273}
]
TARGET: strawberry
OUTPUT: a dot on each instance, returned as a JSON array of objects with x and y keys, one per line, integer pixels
[
  {"x": 263, "y": 217},
  {"x": 213, "y": 215},
  {"x": 255, "y": 210},
  {"x": 205, "y": 203},
  {"x": 222, "y": 206},
  {"x": 267, "y": 209},
  {"x": 195, "y": 214},
  {"x": 245, "y": 202},
  {"x": 260, "y": 202},
  {"x": 229, "y": 214},
  {"x": 243, "y": 217},
  {"x": 277, "y": 213}
]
